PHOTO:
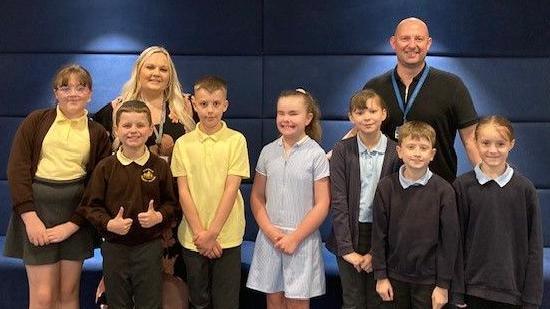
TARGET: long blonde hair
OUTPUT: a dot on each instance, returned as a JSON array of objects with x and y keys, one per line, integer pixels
[{"x": 177, "y": 102}]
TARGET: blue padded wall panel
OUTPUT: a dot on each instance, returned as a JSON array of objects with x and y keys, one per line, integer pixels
[
  {"x": 251, "y": 228},
  {"x": 518, "y": 88},
  {"x": 8, "y": 125},
  {"x": 30, "y": 83},
  {"x": 125, "y": 26},
  {"x": 544, "y": 199},
  {"x": 31, "y": 74},
  {"x": 252, "y": 132},
  {"x": 243, "y": 76},
  {"x": 5, "y": 208},
  {"x": 529, "y": 155},
  {"x": 330, "y": 79},
  {"x": 474, "y": 28}
]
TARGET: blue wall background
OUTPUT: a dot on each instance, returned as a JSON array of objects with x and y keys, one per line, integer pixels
[{"x": 499, "y": 48}]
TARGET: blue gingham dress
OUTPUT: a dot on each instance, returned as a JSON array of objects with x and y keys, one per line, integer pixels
[{"x": 289, "y": 197}]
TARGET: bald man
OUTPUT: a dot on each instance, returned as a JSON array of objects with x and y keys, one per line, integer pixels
[{"x": 415, "y": 91}]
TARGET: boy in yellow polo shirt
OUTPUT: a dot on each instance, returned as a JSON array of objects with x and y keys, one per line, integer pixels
[{"x": 209, "y": 163}]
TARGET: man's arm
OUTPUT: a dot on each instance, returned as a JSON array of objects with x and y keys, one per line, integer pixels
[{"x": 467, "y": 135}]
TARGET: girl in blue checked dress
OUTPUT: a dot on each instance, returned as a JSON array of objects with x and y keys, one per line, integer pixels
[{"x": 290, "y": 199}]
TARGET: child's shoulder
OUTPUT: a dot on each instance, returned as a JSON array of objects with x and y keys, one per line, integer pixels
[
  {"x": 439, "y": 183},
  {"x": 389, "y": 181},
  {"x": 518, "y": 179},
  {"x": 109, "y": 160},
  {"x": 233, "y": 134}
]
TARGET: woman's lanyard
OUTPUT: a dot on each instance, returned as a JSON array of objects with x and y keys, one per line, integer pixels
[
  {"x": 406, "y": 109},
  {"x": 158, "y": 133}
]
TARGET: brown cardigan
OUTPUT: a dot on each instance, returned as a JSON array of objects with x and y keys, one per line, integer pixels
[{"x": 26, "y": 149}]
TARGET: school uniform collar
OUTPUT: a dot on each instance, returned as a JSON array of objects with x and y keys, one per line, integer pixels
[
  {"x": 80, "y": 121},
  {"x": 139, "y": 161},
  {"x": 501, "y": 180},
  {"x": 215, "y": 137},
  {"x": 422, "y": 181},
  {"x": 298, "y": 144},
  {"x": 379, "y": 148}
]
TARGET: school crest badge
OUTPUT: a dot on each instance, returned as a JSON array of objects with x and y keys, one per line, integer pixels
[{"x": 148, "y": 175}]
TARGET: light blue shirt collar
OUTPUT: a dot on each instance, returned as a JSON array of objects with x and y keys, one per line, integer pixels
[
  {"x": 380, "y": 147},
  {"x": 298, "y": 143},
  {"x": 422, "y": 181},
  {"x": 501, "y": 180}
]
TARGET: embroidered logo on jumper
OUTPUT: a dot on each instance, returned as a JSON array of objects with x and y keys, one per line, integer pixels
[{"x": 148, "y": 175}]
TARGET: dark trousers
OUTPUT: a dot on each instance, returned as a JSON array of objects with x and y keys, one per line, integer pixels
[
  {"x": 480, "y": 303},
  {"x": 409, "y": 295},
  {"x": 358, "y": 288},
  {"x": 133, "y": 275},
  {"x": 214, "y": 283}
]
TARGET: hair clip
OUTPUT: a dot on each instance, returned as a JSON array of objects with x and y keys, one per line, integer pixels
[{"x": 301, "y": 90}]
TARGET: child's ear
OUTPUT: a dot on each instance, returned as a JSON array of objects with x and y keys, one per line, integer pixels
[
  {"x": 512, "y": 144},
  {"x": 309, "y": 118}
]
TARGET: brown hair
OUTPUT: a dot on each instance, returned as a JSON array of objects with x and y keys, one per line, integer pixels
[
  {"x": 210, "y": 83},
  {"x": 416, "y": 129},
  {"x": 133, "y": 106},
  {"x": 64, "y": 73},
  {"x": 313, "y": 129},
  {"x": 501, "y": 124},
  {"x": 360, "y": 99}
]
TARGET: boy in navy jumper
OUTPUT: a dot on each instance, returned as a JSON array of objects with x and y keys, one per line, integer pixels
[{"x": 415, "y": 227}]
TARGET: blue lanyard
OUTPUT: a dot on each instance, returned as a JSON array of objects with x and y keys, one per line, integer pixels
[
  {"x": 158, "y": 134},
  {"x": 413, "y": 95}
]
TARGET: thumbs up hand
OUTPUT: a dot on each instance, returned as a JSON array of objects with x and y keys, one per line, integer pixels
[
  {"x": 118, "y": 224},
  {"x": 151, "y": 217}
]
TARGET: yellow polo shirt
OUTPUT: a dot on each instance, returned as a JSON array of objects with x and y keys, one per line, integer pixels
[
  {"x": 65, "y": 149},
  {"x": 206, "y": 161}
]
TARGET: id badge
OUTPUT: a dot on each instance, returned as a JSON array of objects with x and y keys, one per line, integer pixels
[{"x": 396, "y": 134}]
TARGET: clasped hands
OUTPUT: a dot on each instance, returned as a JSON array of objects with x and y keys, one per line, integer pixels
[
  {"x": 147, "y": 219},
  {"x": 39, "y": 235},
  {"x": 286, "y": 243},
  {"x": 359, "y": 262}
]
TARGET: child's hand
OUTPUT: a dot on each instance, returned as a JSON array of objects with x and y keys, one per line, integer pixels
[
  {"x": 287, "y": 244},
  {"x": 36, "y": 230},
  {"x": 151, "y": 217},
  {"x": 440, "y": 297},
  {"x": 355, "y": 259},
  {"x": 118, "y": 224},
  {"x": 366, "y": 265},
  {"x": 384, "y": 289},
  {"x": 204, "y": 241},
  {"x": 275, "y": 234},
  {"x": 215, "y": 252},
  {"x": 61, "y": 232}
]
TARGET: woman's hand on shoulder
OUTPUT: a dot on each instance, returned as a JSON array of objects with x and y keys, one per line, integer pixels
[
  {"x": 115, "y": 104},
  {"x": 36, "y": 230}
]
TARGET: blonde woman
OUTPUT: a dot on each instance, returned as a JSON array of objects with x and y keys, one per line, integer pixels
[{"x": 154, "y": 80}]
